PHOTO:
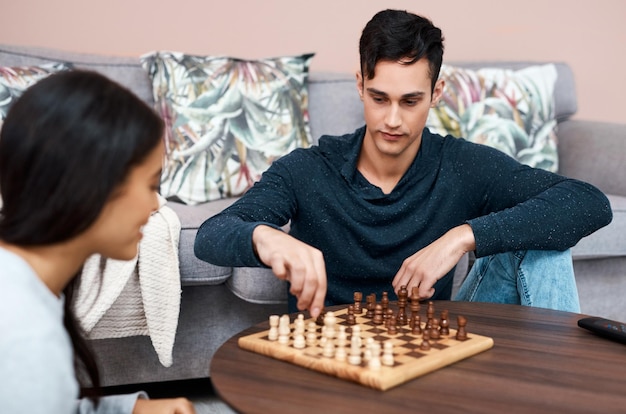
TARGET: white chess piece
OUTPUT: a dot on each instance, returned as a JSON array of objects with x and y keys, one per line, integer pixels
[
  {"x": 342, "y": 336},
  {"x": 299, "y": 341},
  {"x": 284, "y": 330},
  {"x": 340, "y": 353},
  {"x": 356, "y": 335},
  {"x": 329, "y": 348},
  {"x": 272, "y": 335},
  {"x": 387, "y": 358},
  {"x": 329, "y": 324},
  {"x": 374, "y": 361},
  {"x": 298, "y": 325},
  {"x": 311, "y": 335},
  {"x": 355, "y": 353}
]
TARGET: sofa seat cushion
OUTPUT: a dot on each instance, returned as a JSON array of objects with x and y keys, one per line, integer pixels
[{"x": 609, "y": 241}]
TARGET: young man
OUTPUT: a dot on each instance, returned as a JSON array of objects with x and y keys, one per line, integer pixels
[{"x": 392, "y": 204}]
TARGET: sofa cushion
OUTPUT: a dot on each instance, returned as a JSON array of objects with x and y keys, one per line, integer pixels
[
  {"x": 194, "y": 271},
  {"x": 125, "y": 70},
  {"x": 512, "y": 111},
  {"x": 565, "y": 102},
  {"x": 335, "y": 107},
  {"x": 227, "y": 119},
  {"x": 257, "y": 285},
  {"x": 14, "y": 80}
]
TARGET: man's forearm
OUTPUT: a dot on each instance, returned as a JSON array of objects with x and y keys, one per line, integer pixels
[{"x": 554, "y": 220}]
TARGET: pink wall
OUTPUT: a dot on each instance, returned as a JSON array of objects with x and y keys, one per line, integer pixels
[{"x": 590, "y": 36}]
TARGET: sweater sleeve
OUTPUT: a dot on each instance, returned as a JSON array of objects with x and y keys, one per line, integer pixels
[
  {"x": 226, "y": 238},
  {"x": 526, "y": 208}
]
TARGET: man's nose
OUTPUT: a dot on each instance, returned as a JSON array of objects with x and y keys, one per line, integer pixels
[{"x": 393, "y": 118}]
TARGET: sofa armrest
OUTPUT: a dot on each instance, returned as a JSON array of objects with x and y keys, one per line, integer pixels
[{"x": 594, "y": 152}]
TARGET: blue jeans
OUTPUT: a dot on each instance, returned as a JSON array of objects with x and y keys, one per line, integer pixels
[{"x": 538, "y": 278}]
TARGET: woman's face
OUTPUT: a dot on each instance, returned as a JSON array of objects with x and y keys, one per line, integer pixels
[{"x": 117, "y": 231}]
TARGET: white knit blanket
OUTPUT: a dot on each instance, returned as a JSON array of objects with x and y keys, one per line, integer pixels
[{"x": 117, "y": 298}]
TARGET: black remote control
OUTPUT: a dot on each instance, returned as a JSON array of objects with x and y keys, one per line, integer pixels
[{"x": 613, "y": 330}]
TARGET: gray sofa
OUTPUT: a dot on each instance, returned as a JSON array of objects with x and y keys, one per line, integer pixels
[{"x": 218, "y": 302}]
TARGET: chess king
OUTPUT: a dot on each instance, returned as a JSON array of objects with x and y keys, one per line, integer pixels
[{"x": 393, "y": 204}]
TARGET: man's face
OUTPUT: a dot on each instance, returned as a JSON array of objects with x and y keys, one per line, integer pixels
[{"x": 396, "y": 104}]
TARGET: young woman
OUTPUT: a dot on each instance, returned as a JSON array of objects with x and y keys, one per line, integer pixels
[{"x": 80, "y": 162}]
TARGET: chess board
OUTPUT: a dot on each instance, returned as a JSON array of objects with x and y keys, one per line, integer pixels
[{"x": 409, "y": 360}]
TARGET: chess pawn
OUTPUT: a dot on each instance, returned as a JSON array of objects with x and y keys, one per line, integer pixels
[
  {"x": 284, "y": 330},
  {"x": 298, "y": 341},
  {"x": 329, "y": 323},
  {"x": 430, "y": 314},
  {"x": 374, "y": 361},
  {"x": 342, "y": 336},
  {"x": 367, "y": 354},
  {"x": 415, "y": 297},
  {"x": 384, "y": 301},
  {"x": 299, "y": 324},
  {"x": 417, "y": 325},
  {"x": 351, "y": 319},
  {"x": 355, "y": 353},
  {"x": 444, "y": 324},
  {"x": 389, "y": 314},
  {"x": 392, "y": 328},
  {"x": 358, "y": 297},
  {"x": 387, "y": 358},
  {"x": 341, "y": 354},
  {"x": 370, "y": 305},
  {"x": 342, "y": 340},
  {"x": 461, "y": 333},
  {"x": 329, "y": 349},
  {"x": 434, "y": 329},
  {"x": 320, "y": 319},
  {"x": 378, "y": 315},
  {"x": 311, "y": 335},
  {"x": 425, "y": 346},
  {"x": 272, "y": 335},
  {"x": 356, "y": 335}
]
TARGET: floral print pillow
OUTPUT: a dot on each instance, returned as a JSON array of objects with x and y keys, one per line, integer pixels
[
  {"x": 15, "y": 80},
  {"x": 226, "y": 119},
  {"x": 512, "y": 111}
]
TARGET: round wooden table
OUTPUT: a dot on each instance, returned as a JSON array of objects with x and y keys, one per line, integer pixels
[{"x": 541, "y": 361}]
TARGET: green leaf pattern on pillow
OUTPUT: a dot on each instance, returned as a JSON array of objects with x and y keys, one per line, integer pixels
[
  {"x": 512, "y": 111},
  {"x": 226, "y": 119}
]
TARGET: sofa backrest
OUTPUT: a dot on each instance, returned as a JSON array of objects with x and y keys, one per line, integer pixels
[{"x": 334, "y": 104}]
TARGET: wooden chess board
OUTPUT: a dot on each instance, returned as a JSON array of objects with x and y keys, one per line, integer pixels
[{"x": 409, "y": 360}]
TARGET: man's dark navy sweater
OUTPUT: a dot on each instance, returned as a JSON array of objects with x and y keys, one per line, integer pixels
[{"x": 365, "y": 235}]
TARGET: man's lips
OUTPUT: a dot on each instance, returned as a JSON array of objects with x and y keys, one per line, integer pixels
[{"x": 391, "y": 136}]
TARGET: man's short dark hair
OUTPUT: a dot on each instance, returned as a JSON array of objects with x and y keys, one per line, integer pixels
[{"x": 400, "y": 36}]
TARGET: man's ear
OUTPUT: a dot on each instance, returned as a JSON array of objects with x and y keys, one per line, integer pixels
[
  {"x": 437, "y": 92},
  {"x": 359, "y": 83}
]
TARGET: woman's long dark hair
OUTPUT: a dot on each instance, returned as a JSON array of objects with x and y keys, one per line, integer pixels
[{"x": 65, "y": 145}]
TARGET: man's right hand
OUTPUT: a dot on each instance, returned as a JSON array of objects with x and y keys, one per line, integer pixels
[{"x": 297, "y": 262}]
